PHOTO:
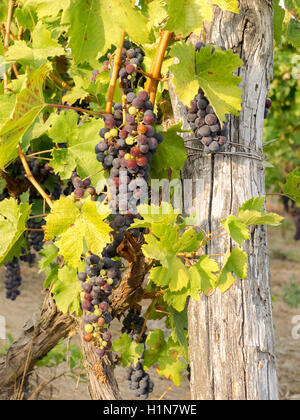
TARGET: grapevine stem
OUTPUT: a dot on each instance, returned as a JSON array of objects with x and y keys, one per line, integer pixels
[
  {"x": 115, "y": 74},
  {"x": 60, "y": 82},
  {"x": 146, "y": 319},
  {"x": 6, "y": 38},
  {"x": 165, "y": 393},
  {"x": 38, "y": 216},
  {"x": 87, "y": 111},
  {"x": 152, "y": 84},
  {"x": 218, "y": 236},
  {"x": 39, "y": 153},
  {"x": 33, "y": 180}
]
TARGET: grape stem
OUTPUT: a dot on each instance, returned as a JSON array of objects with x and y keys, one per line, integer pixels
[
  {"x": 147, "y": 314},
  {"x": 39, "y": 153},
  {"x": 32, "y": 179},
  {"x": 87, "y": 111},
  {"x": 152, "y": 83},
  {"x": 62, "y": 83},
  {"x": 115, "y": 75}
]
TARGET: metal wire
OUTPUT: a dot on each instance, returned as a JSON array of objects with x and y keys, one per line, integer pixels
[{"x": 241, "y": 154}]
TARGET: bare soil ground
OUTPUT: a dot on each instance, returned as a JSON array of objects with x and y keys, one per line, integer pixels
[{"x": 285, "y": 268}]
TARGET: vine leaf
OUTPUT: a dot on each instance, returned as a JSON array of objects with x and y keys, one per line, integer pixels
[
  {"x": 13, "y": 218},
  {"x": 79, "y": 154},
  {"x": 213, "y": 73},
  {"x": 43, "y": 46},
  {"x": 45, "y": 8},
  {"x": 7, "y": 104},
  {"x": 203, "y": 276},
  {"x": 29, "y": 104},
  {"x": 292, "y": 186},
  {"x": 129, "y": 350},
  {"x": 235, "y": 262},
  {"x": 171, "y": 154},
  {"x": 236, "y": 229},
  {"x": 179, "y": 325},
  {"x": 279, "y": 14},
  {"x": 72, "y": 226},
  {"x": 166, "y": 355},
  {"x": 90, "y": 22},
  {"x": 162, "y": 245},
  {"x": 163, "y": 214},
  {"x": 66, "y": 291},
  {"x": 293, "y": 33},
  {"x": 252, "y": 212},
  {"x": 48, "y": 253},
  {"x": 186, "y": 17}
]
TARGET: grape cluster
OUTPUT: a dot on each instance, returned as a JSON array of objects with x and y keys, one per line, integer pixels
[
  {"x": 126, "y": 149},
  {"x": 204, "y": 121},
  {"x": 27, "y": 256},
  {"x": 205, "y": 124},
  {"x": 83, "y": 188},
  {"x": 267, "y": 107},
  {"x": 98, "y": 279},
  {"x": 13, "y": 279},
  {"x": 138, "y": 380},
  {"x": 133, "y": 325},
  {"x": 57, "y": 192},
  {"x": 35, "y": 237},
  {"x": 131, "y": 59}
]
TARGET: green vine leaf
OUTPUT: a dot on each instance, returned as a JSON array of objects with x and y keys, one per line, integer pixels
[
  {"x": 279, "y": 14},
  {"x": 166, "y": 355},
  {"x": 45, "y": 8},
  {"x": 48, "y": 254},
  {"x": 29, "y": 104},
  {"x": 79, "y": 154},
  {"x": 162, "y": 247},
  {"x": 188, "y": 16},
  {"x": 236, "y": 229},
  {"x": 252, "y": 212},
  {"x": 129, "y": 350},
  {"x": 43, "y": 47},
  {"x": 293, "y": 33},
  {"x": 213, "y": 73},
  {"x": 292, "y": 186},
  {"x": 163, "y": 214},
  {"x": 203, "y": 277},
  {"x": 66, "y": 291},
  {"x": 71, "y": 227},
  {"x": 235, "y": 262},
  {"x": 94, "y": 23},
  {"x": 13, "y": 218},
  {"x": 171, "y": 154}
]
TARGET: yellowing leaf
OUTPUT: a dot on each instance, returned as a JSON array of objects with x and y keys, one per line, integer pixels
[
  {"x": 212, "y": 72},
  {"x": 236, "y": 263},
  {"x": 29, "y": 104},
  {"x": 13, "y": 219},
  {"x": 71, "y": 227}
]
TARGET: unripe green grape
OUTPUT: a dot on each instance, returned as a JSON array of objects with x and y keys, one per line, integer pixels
[
  {"x": 89, "y": 328},
  {"x": 113, "y": 132},
  {"x": 132, "y": 110},
  {"x": 110, "y": 281},
  {"x": 130, "y": 141},
  {"x": 127, "y": 156},
  {"x": 103, "y": 273}
]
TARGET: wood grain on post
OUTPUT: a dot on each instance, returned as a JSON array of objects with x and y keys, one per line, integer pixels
[{"x": 231, "y": 335}]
